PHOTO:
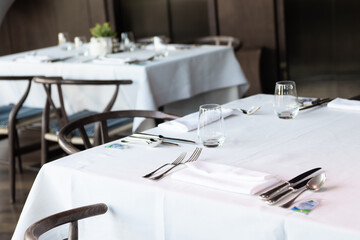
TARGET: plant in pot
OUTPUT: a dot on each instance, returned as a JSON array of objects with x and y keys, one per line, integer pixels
[{"x": 101, "y": 42}]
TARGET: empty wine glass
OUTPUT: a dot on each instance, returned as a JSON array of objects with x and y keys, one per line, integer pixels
[
  {"x": 211, "y": 125},
  {"x": 286, "y": 104},
  {"x": 127, "y": 41},
  {"x": 80, "y": 47},
  {"x": 64, "y": 41}
]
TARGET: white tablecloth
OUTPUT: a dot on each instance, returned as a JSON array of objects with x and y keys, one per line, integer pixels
[
  {"x": 171, "y": 209},
  {"x": 181, "y": 75}
]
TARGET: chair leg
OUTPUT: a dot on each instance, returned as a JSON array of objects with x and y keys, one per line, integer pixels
[
  {"x": 12, "y": 146},
  {"x": 17, "y": 152},
  {"x": 44, "y": 150}
]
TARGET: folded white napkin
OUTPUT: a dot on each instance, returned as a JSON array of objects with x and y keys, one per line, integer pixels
[
  {"x": 33, "y": 59},
  {"x": 189, "y": 122},
  {"x": 117, "y": 60},
  {"x": 226, "y": 178},
  {"x": 345, "y": 104}
]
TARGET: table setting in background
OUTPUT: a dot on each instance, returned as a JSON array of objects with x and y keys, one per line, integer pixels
[
  {"x": 218, "y": 173},
  {"x": 161, "y": 75}
]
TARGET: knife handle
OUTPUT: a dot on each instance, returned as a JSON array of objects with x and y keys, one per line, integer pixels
[
  {"x": 268, "y": 194},
  {"x": 279, "y": 196}
]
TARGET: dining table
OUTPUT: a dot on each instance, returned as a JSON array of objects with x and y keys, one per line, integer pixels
[
  {"x": 187, "y": 73},
  {"x": 172, "y": 208}
]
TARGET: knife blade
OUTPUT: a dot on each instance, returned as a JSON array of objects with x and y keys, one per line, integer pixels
[
  {"x": 316, "y": 103},
  {"x": 285, "y": 193},
  {"x": 266, "y": 195},
  {"x": 167, "y": 138}
]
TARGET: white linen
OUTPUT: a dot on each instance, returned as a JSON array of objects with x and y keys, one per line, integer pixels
[
  {"x": 345, "y": 104},
  {"x": 226, "y": 178},
  {"x": 33, "y": 59},
  {"x": 188, "y": 122},
  {"x": 173, "y": 210},
  {"x": 181, "y": 75}
]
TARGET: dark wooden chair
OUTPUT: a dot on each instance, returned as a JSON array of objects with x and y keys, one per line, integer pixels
[
  {"x": 71, "y": 216},
  {"x": 103, "y": 119},
  {"x": 14, "y": 117},
  {"x": 150, "y": 40},
  {"x": 220, "y": 40},
  {"x": 51, "y": 126}
]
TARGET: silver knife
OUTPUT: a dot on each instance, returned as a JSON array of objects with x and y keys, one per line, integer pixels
[
  {"x": 280, "y": 196},
  {"x": 266, "y": 195},
  {"x": 167, "y": 138}
]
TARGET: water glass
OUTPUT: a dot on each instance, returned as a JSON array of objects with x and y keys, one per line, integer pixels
[
  {"x": 211, "y": 125},
  {"x": 64, "y": 41},
  {"x": 79, "y": 43},
  {"x": 286, "y": 104},
  {"x": 127, "y": 41}
]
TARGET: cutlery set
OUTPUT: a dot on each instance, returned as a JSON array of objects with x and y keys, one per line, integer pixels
[
  {"x": 316, "y": 102},
  {"x": 178, "y": 161},
  {"x": 153, "y": 140},
  {"x": 274, "y": 195}
]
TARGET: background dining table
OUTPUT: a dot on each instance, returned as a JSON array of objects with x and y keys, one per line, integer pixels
[
  {"x": 140, "y": 208},
  {"x": 199, "y": 73}
]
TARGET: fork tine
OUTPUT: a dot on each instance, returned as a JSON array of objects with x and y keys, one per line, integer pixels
[
  {"x": 180, "y": 158},
  {"x": 196, "y": 155},
  {"x": 176, "y": 162}
]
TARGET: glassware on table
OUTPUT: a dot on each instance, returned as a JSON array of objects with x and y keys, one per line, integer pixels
[
  {"x": 80, "y": 45},
  {"x": 160, "y": 46},
  {"x": 127, "y": 41},
  {"x": 286, "y": 104},
  {"x": 64, "y": 41},
  {"x": 211, "y": 125}
]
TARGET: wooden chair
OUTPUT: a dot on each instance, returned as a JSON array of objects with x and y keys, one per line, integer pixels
[
  {"x": 14, "y": 117},
  {"x": 220, "y": 40},
  {"x": 150, "y": 40},
  {"x": 104, "y": 119},
  {"x": 51, "y": 126},
  {"x": 71, "y": 216}
]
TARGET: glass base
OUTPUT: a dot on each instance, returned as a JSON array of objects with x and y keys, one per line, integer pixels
[
  {"x": 287, "y": 115},
  {"x": 213, "y": 143}
]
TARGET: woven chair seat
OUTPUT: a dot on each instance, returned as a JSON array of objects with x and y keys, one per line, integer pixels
[{"x": 25, "y": 116}]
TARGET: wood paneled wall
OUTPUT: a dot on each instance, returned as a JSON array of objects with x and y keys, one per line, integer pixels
[{"x": 35, "y": 24}]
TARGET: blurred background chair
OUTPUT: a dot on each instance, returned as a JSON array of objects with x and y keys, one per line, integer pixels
[
  {"x": 150, "y": 40},
  {"x": 103, "y": 134},
  {"x": 71, "y": 216},
  {"x": 13, "y": 118},
  {"x": 55, "y": 116},
  {"x": 220, "y": 40}
]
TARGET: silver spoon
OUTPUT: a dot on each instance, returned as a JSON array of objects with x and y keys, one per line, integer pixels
[
  {"x": 250, "y": 111},
  {"x": 313, "y": 184}
]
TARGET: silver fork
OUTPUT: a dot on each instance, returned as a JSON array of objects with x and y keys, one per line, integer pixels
[
  {"x": 177, "y": 161},
  {"x": 192, "y": 158}
]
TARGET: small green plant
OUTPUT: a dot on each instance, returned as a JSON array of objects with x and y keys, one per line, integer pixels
[{"x": 102, "y": 31}]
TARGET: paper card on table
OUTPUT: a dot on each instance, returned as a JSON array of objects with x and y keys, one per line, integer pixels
[
  {"x": 226, "y": 178},
  {"x": 345, "y": 104},
  {"x": 188, "y": 122}
]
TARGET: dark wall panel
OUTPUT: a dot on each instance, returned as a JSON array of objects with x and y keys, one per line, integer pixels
[
  {"x": 253, "y": 22},
  {"x": 35, "y": 24}
]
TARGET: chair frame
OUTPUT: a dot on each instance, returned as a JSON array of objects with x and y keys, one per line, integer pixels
[
  {"x": 70, "y": 216},
  {"x": 218, "y": 40},
  {"x": 13, "y": 138},
  {"x": 102, "y": 134},
  {"x": 60, "y": 113}
]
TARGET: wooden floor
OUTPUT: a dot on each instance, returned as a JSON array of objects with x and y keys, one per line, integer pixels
[{"x": 9, "y": 213}]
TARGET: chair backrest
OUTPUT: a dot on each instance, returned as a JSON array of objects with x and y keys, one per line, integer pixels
[
  {"x": 4, "y": 7},
  {"x": 71, "y": 216},
  {"x": 60, "y": 112},
  {"x": 149, "y": 40},
  {"x": 102, "y": 119},
  {"x": 220, "y": 40}
]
